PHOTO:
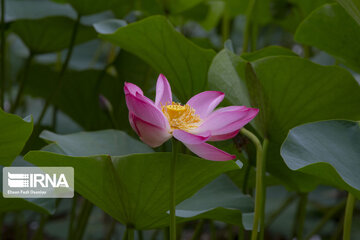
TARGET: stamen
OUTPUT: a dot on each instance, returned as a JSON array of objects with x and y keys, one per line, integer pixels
[{"x": 181, "y": 117}]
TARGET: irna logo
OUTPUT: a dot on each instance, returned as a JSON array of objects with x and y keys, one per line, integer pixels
[
  {"x": 38, "y": 182},
  {"x": 18, "y": 180}
]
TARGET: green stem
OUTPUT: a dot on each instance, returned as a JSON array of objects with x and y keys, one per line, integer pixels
[
  {"x": 54, "y": 119},
  {"x": 175, "y": 148},
  {"x": 125, "y": 236},
  {"x": 247, "y": 33},
  {"x": 329, "y": 214},
  {"x": 337, "y": 233},
  {"x": 111, "y": 229},
  {"x": 83, "y": 219},
  {"x": 263, "y": 197},
  {"x": 350, "y": 203},
  {"x": 307, "y": 51},
  {"x": 130, "y": 232},
  {"x": 241, "y": 232},
  {"x": 260, "y": 173},
  {"x": 2, "y": 217},
  {"x": 230, "y": 232},
  {"x": 39, "y": 232},
  {"x": 254, "y": 35},
  {"x": 212, "y": 230},
  {"x": 22, "y": 83},
  {"x": 278, "y": 211},
  {"x": 72, "y": 217},
  {"x": 64, "y": 67},
  {"x": 154, "y": 235},
  {"x": 247, "y": 169},
  {"x": 225, "y": 25},
  {"x": 2, "y": 56},
  {"x": 140, "y": 235},
  {"x": 198, "y": 229},
  {"x": 299, "y": 222}
]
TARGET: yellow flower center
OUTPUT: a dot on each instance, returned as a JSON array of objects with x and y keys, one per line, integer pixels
[{"x": 181, "y": 117}]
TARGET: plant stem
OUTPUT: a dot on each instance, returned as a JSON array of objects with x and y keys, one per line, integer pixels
[
  {"x": 175, "y": 148},
  {"x": 39, "y": 232},
  {"x": 154, "y": 235},
  {"x": 278, "y": 211},
  {"x": 72, "y": 217},
  {"x": 299, "y": 222},
  {"x": 230, "y": 232},
  {"x": 198, "y": 229},
  {"x": 254, "y": 35},
  {"x": 130, "y": 232},
  {"x": 125, "y": 236},
  {"x": 2, "y": 218},
  {"x": 241, "y": 234},
  {"x": 225, "y": 25},
  {"x": 212, "y": 230},
  {"x": 263, "y": 187},
  {"x": 337, "y": 233},
  {"x": 111, "y": 229},
  {"x": 22, "y": 83},
  {"x": 140, "y": 235},
  {"x": 64, "y": 67},
  {"x": 329, "y": 214},
  {"x": 247, "y": 33},
  {"x": 350, "y": 203},
  {"x": 260, "y": 173},
  {"x": 83, "y": 219},
  {"x": 2, "y": 56}
]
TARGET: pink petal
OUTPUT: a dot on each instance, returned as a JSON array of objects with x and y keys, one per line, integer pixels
[
  {"x": 163, "y": 91},
  {"x": 132, "y": 89},
  {"x": 189, "y": 138},
  {"x": 150, "y": 134},
  {"x": 204, "y": 103},
  {"x": 144, "y": 108},
  {"x": 223, "y": 136},
  {"x": 132, "y": 124},
  {"x": 209, "y": 152},
  {"x": 227, "y": 120}
]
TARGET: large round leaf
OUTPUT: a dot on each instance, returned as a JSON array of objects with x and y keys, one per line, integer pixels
[
  {"x": 352, "y": 7},
  {"x": 328, "y": 150},
  {"x": 133, "y": 189},
  {"x": 79, "y": 97},
  {"x": 110, "y": 142},
  {"x": 330, "y": 28},
  {"x": 168, "y": 52},
  {"x": 88, "y": 7},
  {"x": 219, "y": 200},
  {"x": 50, "y": 34},
  {"x": 14, "y": 134},
  {"x": 289, "y": 91}
]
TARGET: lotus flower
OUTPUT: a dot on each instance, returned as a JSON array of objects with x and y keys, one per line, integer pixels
[{"x": 193, "y": 124}]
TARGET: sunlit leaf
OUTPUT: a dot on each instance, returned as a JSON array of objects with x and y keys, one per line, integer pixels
[{"x": 133, "y": 189}]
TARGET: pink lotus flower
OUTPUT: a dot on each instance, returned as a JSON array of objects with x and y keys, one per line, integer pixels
[{"x": 193, "y": 123}]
